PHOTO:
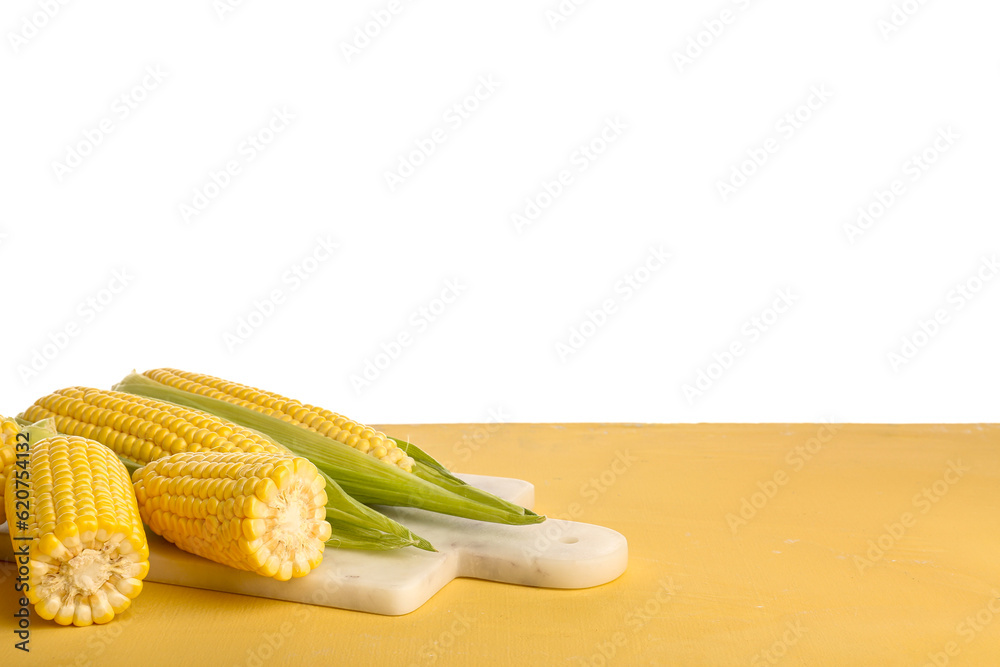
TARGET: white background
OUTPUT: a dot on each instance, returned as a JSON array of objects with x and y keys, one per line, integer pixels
[{"x": 189, "y": 279}]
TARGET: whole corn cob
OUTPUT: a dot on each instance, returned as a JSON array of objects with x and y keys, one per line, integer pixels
[
  {"x": 77, "y": 513},
  {"x": 252, "y": 511},
  {"x": 8, "y": 435},
  {"x": 141, "y": 430},
  {"x": 366, "y": 474},
  {"x": 330, "y": 424}
]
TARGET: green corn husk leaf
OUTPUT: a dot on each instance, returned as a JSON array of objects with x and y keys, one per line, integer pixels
[
  {"x": 363, "y": 527},
  {"x": 354, "y": 525},
  {"x": 427, "y": 468},
  {"x": 39, "y": 430},
  {"x": 130, "y": 465},
  {"x": 430, "y": 487}
]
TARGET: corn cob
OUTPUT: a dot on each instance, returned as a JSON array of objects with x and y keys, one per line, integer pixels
[
  {"x": 259, "y": 512},
  {"x": 86, "y": 544},
  {"x": 301, "y": 427},
  {"x": 141, "y": 430},
  {"x": 330, "y": 424},
  {"x": 8, "y": 435}
]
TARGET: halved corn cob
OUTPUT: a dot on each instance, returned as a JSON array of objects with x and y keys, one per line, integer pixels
[
  {"x": 252, "y": 511},
  {"x": 8, "y": 436},
  {"x": 73, "y": 505},
  {"x": 301, "y": 427},
  {"x": 141, "y": 430}
]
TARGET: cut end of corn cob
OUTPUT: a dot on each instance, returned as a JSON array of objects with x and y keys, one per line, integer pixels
[
  {"x": 252, "y": 511},
  {"x": 330, "y": 424},
  {"x": 87, "y": 549},
  {"x": 8, "y": 439},
  {"x": 143, "y": 429}
]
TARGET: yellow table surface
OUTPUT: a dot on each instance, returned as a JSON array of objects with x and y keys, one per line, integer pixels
[{"x": 857, "y": 545}]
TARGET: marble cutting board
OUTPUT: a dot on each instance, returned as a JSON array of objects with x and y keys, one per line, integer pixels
[{"x": 551, "y": 554}]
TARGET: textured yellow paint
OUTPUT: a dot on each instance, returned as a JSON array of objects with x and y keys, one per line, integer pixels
[{"x": 787, "y": 582}]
